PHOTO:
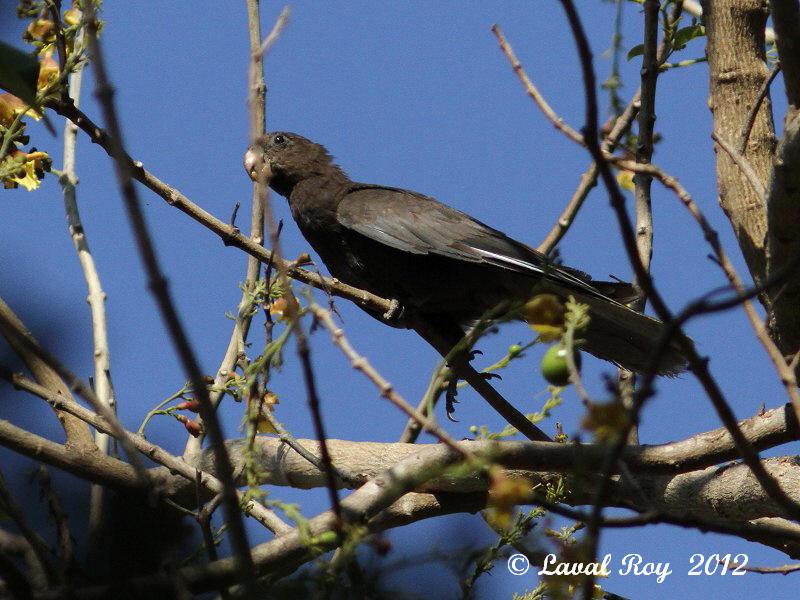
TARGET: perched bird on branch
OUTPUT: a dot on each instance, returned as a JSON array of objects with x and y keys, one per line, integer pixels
[{"x": 444, "y": 268}]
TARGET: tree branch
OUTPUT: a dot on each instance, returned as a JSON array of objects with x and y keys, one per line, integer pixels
[
  {"x": 96, "y": 296},
  {"x": 24, "y": 344},
  {"x": 158, "y": 286},
  {"x": 230, "y": 235},
  {"x": 153, "y": 451}
]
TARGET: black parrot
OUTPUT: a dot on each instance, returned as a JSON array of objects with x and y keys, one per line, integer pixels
[{"x": 446, "y": 268}]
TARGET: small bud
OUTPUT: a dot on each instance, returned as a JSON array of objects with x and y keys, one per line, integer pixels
[
  {"x": 514, "y": 350},
  {"x": 381, "y": 545},
  {"x": 193, "y": 427},
  {"x": 192, "y": 405}
]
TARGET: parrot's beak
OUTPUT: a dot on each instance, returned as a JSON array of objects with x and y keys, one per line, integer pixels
[{"x": 257, "y": 168}]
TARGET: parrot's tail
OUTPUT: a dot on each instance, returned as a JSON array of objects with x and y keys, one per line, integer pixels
[{"x": 623, "y": 336}]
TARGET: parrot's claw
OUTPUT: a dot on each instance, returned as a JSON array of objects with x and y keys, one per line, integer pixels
[{"x": 450, "y": 399}]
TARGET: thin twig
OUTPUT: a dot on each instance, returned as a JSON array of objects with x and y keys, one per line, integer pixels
[
  {"x": 39, "y": 547},
  {"x": 751, "y": 117},
  {"x": 697, "y": 364},
  {"x": 385, "y": 388},
  {"x": 293, "y": 308},
  {"x": 291, "y": 441},
  {"x": 314, "y": 406},
  {"x": 784, "y": 370},
  {"x": 432, "y": 393},
  {"x": 262, "y": 514},
  {"x": 274, "y": 34},
  {"x": 66, "y": 549},
  {"x": 96, "y": 296},
  {"x": 588, "y": 180},
  {"x": 533, "y": 91},
  {"x": 742, "y": 163},
  {"x": 203, "y": 518},
  {"x": 158, "y": 285},
  {"x": 30, "y": 345},
  {"x": 782, "y": 570},
  {"x": 55, "y": 14},
  {"x": 230, "y": 235}
]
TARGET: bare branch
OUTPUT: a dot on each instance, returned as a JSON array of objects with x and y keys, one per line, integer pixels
[
  {"x": 230, "y": 235},
  {"x": 158, "y": 285},
  {"x": 386, "y": 389},
  {"x": 751, "y": 116},
  {"x": 275, "y": 33},
  {"x": 589, "y": 179},
  {"x": 784, "y": 370},
  {"x": 17, "y": 545},
  {"x": 533, "y": 91},
  {"x": 644, "y": 150},
  {"x": 96, "y": 296},
  {"x": 743, "y": 165},
  {"x": 152, "y": 451},
  {"x": 26, "y": 346}
]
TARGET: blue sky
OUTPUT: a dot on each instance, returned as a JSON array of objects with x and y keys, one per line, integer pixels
[{"x": 414, "y": 95}]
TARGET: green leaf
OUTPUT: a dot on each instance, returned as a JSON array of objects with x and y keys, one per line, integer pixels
[
  {"x": 687, "y": 34},
  {"x": 637, "y": 50},
  {"x": 19, "y": 72}
]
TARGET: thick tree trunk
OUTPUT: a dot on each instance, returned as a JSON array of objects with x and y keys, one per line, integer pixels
[
  {"x": 737, "y": 69},
  {"x": 783, "y": 193}
]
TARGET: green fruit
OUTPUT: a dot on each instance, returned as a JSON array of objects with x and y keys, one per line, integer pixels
[
  {"x": 554, "y": 365},
  {"x": 514, "y": 350}
]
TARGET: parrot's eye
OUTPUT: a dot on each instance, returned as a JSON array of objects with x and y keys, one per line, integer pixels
[{"x": 279, "y": 139}]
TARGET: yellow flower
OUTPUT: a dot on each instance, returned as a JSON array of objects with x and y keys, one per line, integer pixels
[
  {"x": 72, "y": 16},
  {"x": 48, "y": 72},
  {"x": 268, "y": 403},
  {"x": 11, "y": 106},
  {"x": 545, "y": 315},
  {"x": 504, "y": 494},
  {"x": 606, "y": 420},
  {"x": 30, "y": 172},
  {"x": 41, "y": 29},
  {"x": 625, "y": 179}
]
